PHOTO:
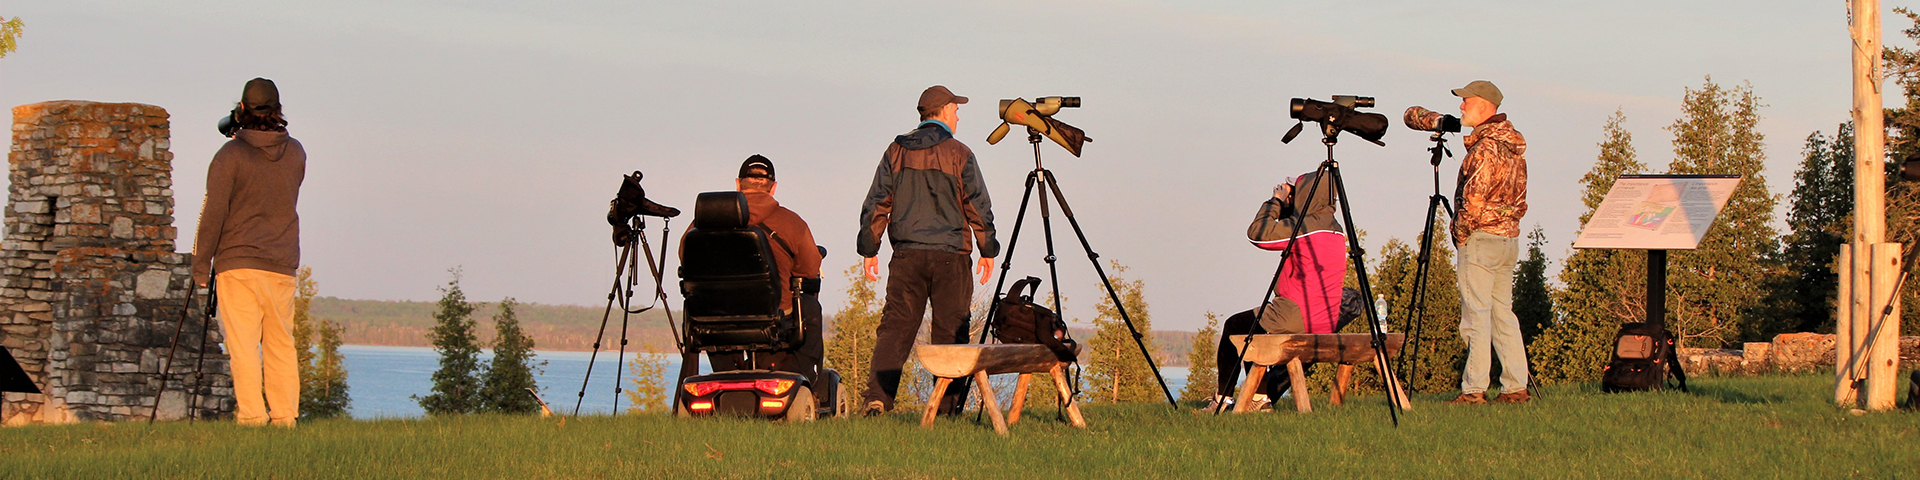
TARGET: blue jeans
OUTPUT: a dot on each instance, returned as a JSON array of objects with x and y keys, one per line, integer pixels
[{"x": 1487, "y": 322}]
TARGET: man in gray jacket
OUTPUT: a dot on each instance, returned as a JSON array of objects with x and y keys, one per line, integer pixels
[{"x": 927, "y": 197}]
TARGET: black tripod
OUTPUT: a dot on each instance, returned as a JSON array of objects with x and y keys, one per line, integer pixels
[
  {"x": 626, "y": 274},
  {"x": 1417, "y": 313},
  {"x": 199, "y": 375},
  {"x": 1037, "y": 178},
  {"x": 1357, "y": 256}
]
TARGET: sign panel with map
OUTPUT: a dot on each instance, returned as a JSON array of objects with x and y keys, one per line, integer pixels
[{"x": 1657, "y": 212}]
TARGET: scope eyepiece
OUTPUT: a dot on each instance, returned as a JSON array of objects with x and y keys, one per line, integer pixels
[{"x": 1353, "y": 101}]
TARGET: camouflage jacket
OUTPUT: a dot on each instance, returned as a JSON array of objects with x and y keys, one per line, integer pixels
[{"x": 1492, "y": 194}]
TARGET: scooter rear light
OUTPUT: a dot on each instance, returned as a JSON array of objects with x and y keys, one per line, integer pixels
[
  {"x": 701, "y": 389},
  {"x": 700, "y": 406},
  {"x": 773, "y": 386},
  {"x": 773, "y": 403}
]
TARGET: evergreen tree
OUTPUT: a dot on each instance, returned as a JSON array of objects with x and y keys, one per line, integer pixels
[
  {"x": 1532, "y": 302},
  {"x": 323, "y": 377},
  {"x": 850, "y": 334},
  {"x": 456, "y": 384},
  {"x": 1903, "y": 140},
  {"x": 1601, "y": 289},
  {"x": 1822, "y": 207},
  {"x": 1116, "y": 372},
  {"x": 1442, "y": 351},
  {"x": 1711, "y": 292},
  {"x": 1202, "y": 379},
  {"x": 648, "y": 389},
  {"x": 508, "y": 379}
]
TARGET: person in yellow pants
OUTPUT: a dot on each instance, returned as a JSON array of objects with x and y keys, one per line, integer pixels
[
  {"x": 256, "y": 313},
  {"x": 249, "y": 241}
]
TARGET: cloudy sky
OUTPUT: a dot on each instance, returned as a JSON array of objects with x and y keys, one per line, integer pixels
[{"x": 490, "y": 134}]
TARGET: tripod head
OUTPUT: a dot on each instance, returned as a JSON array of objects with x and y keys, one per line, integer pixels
[{"x": 1439, "y": 147}]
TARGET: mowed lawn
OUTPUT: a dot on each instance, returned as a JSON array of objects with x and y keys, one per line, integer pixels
[{"x": 1768, "y": 427}]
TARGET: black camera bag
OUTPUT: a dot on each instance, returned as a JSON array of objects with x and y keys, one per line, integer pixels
[
  {"x": 1643, "y": 357},
  {"x": 1020, "y": 321}
]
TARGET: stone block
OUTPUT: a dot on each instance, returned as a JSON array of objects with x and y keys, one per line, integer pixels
[{"x": 152, "y": 284}]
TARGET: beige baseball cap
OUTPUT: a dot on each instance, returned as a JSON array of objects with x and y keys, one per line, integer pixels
[{"x": 1480, "y": 88}]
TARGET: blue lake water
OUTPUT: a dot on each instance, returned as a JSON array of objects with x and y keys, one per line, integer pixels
[{"x": 383, "y": 380}]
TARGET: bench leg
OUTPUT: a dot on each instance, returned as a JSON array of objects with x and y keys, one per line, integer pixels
[
  {"x": 1298, "y": 374},
  {"x": 1254, "y": 377},
  {"x": 1398, "y": 390},
  {"x": 933, "y": 401},
  {"x": 1019, "y": 398},
  {"x": 1341, "y": 378},
  {"x": 1065, "y": 394},
  {"x": 990, "y": 402}
]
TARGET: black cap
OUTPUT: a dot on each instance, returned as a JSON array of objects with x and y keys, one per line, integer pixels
[
  {"x": 261, "y": 95},
  {"x": 757, "y": 166}
]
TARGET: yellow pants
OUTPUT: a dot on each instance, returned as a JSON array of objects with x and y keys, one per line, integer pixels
[{"x": 256, "y": 312}]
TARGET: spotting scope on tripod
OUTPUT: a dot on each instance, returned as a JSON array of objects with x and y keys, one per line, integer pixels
[
  {"x": 1037, "y": 116},
  {"x": 1335, "y": 117}
]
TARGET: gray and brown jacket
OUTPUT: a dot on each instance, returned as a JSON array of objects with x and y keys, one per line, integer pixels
[
  {"x": 928, "y": 195},
  {"x": 249, "y": 218}
]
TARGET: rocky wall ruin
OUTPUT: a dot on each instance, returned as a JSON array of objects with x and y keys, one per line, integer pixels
[{"x": 91, "y": 288}]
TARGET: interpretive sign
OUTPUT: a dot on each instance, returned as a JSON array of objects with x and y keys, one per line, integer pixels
[{"x": 1657, "y": 212}]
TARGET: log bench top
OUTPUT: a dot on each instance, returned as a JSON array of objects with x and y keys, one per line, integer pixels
[
  {"x": 955, "y": 361},
  {"x": 1346, "y": 348}
]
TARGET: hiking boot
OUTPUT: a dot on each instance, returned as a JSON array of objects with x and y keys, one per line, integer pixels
[
  {"x": 874, "y": 409},
  {"x": 1475, "y": 398},
  {"x": 1513, "y": 397},
  {"x": 1217, "y": 404},
  {"x": 1260, "y": 403}
]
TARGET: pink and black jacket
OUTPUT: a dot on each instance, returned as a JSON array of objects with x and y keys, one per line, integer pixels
[{"x": 1317, "y": 247}]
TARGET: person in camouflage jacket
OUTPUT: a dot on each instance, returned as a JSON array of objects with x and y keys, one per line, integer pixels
[{"x": 1490, "y": 200}]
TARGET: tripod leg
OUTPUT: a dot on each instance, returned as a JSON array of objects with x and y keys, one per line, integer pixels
[
  {"x": 1388, "y": 382},
  {"x": 166, "y": 368},
  {"x": 1417, "y": 313},
  {"x": 1113, "y": 295},
  {"x": 626, "y": 251},
  {"x": 1006, "y": 258},
  {"x": 200, "y": 358}
]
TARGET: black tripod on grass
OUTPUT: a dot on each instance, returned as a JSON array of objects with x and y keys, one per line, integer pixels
[
  {"x": 626, "y": 275},
  {"x": 1330, "y": 169},
  {"x": 199, "y": 359},
  {"x": 1417, "y": 313},
  {"x": 1043, "y": 179}
]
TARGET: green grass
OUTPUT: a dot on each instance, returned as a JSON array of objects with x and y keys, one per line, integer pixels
[{"x": 1767, "y": 427}]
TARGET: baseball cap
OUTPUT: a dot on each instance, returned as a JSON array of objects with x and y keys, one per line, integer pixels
[
  {"x": 937, "y": 96},
  {"x": 757, "y": 166},
  {"x": 261, "y": 95},
  {"x": 1480, "y": 88}
]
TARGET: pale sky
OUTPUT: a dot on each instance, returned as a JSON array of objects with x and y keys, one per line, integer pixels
[{"x": 490, "y": 134}]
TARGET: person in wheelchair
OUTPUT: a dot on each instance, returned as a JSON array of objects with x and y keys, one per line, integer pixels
[
  {"x": 750, "y": 273},
  {"x": 794, "y": 256}
]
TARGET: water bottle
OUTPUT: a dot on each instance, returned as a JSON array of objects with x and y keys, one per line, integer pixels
[{"x": 1380, "y": 306}]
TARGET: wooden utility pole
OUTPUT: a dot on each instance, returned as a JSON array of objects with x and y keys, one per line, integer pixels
[{"x": 1868, "y": 334}]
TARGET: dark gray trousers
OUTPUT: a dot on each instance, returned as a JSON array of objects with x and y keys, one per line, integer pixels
[{"x": 915, "y": 279}]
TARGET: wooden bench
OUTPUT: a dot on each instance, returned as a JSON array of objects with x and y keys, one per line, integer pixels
[
  {"x": 949, "y": 362},
  {"x": 1345, "y": 349}
]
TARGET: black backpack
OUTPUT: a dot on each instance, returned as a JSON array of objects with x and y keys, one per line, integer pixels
[
  {"x": 1020, "y": 321},
  {"x": 1643, "y": 357}
]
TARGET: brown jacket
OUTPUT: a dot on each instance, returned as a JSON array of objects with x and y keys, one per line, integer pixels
[
  {"x": 249, "y": 218},
  {"x": 1492, "y": 194},
  {"x": 788, "y": 231}
]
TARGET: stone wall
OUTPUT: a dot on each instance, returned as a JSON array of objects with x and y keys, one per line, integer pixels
[
  {"x": 1787, "y": 353},
  {"x": 91, "y": 288}
]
